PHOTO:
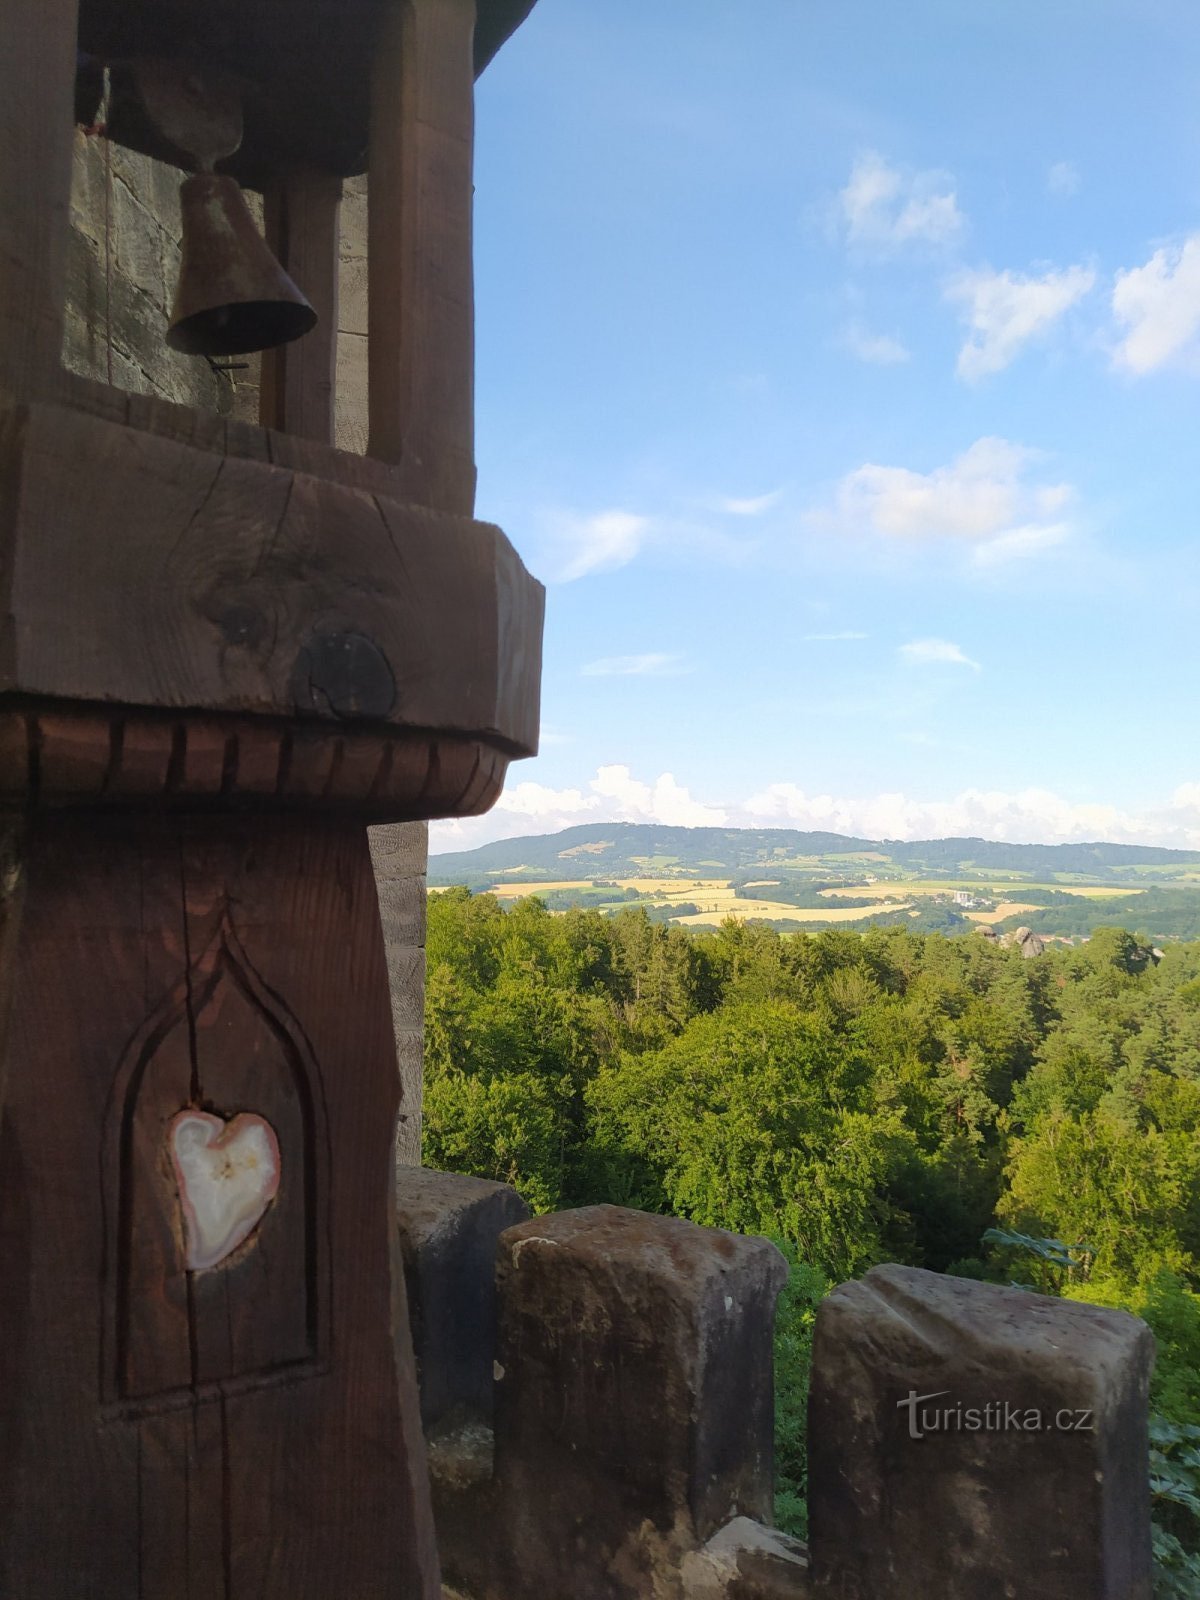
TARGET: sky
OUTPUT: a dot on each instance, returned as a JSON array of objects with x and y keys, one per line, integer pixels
[{"x": 839, "y": 375}]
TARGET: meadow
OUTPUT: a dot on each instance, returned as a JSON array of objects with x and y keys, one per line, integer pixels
[{"x": 705, "y": 902}]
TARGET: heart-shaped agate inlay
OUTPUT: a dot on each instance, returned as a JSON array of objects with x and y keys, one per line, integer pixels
[{"x": 228, "y": 1174}]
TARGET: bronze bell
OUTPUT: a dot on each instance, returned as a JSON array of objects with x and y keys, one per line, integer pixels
[{"x": 233, "y": 296}]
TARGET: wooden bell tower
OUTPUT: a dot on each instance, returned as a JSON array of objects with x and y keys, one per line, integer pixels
[{"x": 225, "y": 649}]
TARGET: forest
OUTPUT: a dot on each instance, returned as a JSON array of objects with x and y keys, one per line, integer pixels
[{"x": 858, "y": 1097}]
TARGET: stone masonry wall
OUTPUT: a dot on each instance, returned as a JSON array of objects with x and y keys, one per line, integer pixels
[{"x": 123, "y": 266}]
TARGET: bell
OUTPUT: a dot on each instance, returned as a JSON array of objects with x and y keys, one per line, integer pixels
[{"x": 233, "y": 296}]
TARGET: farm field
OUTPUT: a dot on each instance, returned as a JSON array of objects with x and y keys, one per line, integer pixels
[
  {"x": 1006, "y": 908},
  {"x": 715, "y": 898},
  {"x": 772, "y": 911},
  {"x": 712, "y": 896},
  {"x": 894, "y": 886},
  {"x": 697, "y": 876}
]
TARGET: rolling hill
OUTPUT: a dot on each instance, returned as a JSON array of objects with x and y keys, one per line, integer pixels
[{"x": 632, "y": 850}]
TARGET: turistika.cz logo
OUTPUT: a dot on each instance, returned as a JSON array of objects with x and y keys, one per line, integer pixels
[{"x": 997, "y": 1416}]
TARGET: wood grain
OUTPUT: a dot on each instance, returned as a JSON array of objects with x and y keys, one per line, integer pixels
[
  {"x": 421, "y": 294},
  {"x": 71, "y": 757},
  {"x": 233, "y": 576},
  {"x": 235, "y": 963},
  {"x": 314, "y": 56},
  {"x": 37, "y": 98},
  {"x": 298, "y": 379}
]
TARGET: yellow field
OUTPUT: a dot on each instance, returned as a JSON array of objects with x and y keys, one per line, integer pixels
[
  {"x": 713, "y": 896},
  {"x": 517, "y": 891},
  {"x": 1007, "y": 908},
  {"x": 715, "y": 899},
  {"x": 775, "y": 912},
  {"x": 884, "y": 890}
]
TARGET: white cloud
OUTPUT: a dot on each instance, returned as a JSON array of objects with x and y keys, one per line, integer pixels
[
  {"x": 1018, "y": 543},
  {"x": 879, "y": 349},
  {"x": 829, "y": 638},
  {"x": 1005, "y": 310},
  {"x": 985, "y": 498},
  {"x": 751, "y": 507},
  {"x": 1030, "y": 816},
  {"x": 1159, "y": 307},
  {"x": 653, "y": 665},
  {"x": 663, "y": 801},
  {"x": 926, "y": 652},
  {"x": 1024, "y": 816},
  {"x": 885, "y": 207},
  {"x": 1063, "y": 178},
  {"x": 613, "y": 795},
  {"x": 528, "y": 799},
  {"x": 577, "y": 545},
  {"x": 598, "y": 543}
]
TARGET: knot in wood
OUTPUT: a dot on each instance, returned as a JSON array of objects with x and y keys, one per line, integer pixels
[{"x": 343, "y": 673}]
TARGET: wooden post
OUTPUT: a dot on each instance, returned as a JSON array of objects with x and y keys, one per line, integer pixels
[
  {"x": 252, "y": 1429},
  {"x": 298, "y": 380},
  {"x": 421, "y": 322},
  {"x": 36, "y": 124},
  {"x": 224, "y": 653}
]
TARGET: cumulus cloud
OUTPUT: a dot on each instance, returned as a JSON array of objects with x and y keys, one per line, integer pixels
[
  {"x": 1029, "y": 816},
  {"x": 655, "y": 664},
  {"x": 878, "y": 349},
  {"x": 598, "y": 543},
  {"x": 1004, "y": 310},
  {"x": 613, "y": 795},
  {"x": 1063, "y": 178},
  {"x": 887, "y": 207},
  {"x": 987, "y": 498},
  {"x": 626, "y": 799},
  {"x": 1023, "y": 816},
  {"x": 935, "y": 652},
  {"x": 1158, "y": 306}
]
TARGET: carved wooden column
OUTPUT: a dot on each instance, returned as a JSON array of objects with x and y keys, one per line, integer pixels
[
  {"x": 226, "y": 650},
  {"x": 422, "y": 321}
]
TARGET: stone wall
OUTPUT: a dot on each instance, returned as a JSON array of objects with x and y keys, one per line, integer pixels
[
  {"x": 123, "y": 266},
  {"x": 597, "y": 1394}
]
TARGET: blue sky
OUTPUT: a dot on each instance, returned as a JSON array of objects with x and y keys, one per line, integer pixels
[{"x": 839, "y": 373}]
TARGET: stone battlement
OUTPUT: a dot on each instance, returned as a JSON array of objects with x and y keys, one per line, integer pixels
[{"x": 597, "y": 1392}]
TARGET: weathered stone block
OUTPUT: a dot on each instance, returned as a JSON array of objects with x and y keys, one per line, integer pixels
[
  {"x": 402, "y": 910},
  {"x": 745, "y": 1561},
  {"x": 464, "y": 1508},
  {"x": 973, "y": 1442},
  {"x": 399, "y": 850},
  {"x": 137, "y": 245},
  {"x": 634, "y": 1402},
  {"x": 353, "y": 420},
  {"x": 354, "y": 218},
  {"x": 352, "y": 295},
  {"x": 410, "y": 1050},
  {"x": 449, "y": 1226}
]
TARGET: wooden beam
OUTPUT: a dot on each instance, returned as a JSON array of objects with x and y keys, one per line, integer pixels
[
  {"x": 421, "y": 321},
  {"x": 298, "y": 379},
  {"x": 37, "y": 119},
  {"x": 246, "y": 587}
]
